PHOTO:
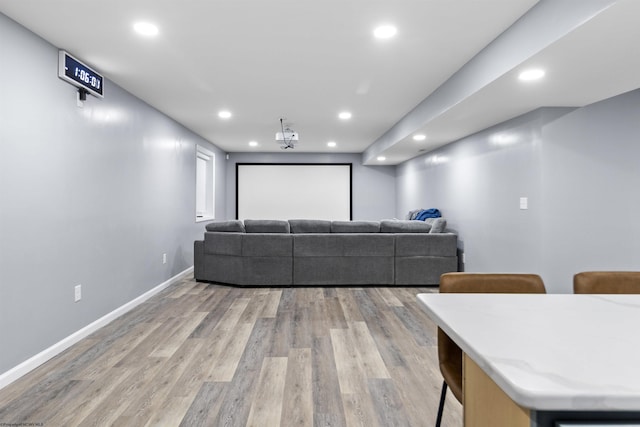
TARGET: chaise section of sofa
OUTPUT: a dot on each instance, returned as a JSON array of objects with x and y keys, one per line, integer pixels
[
  {"x": 261, "y": 257},
  {"x": 303, "y": 252},
  {"x": 421, "y": 261}
]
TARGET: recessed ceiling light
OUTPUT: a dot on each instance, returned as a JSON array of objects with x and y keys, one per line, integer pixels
[
  {"x": 385, "y": 32},
  {"x": 253, "y": 143},
  {"x": 532, "y": 74},
  {"x": 345, "y": 115},
  {"x": 381, "y": 158},
  {"x": 419, "y": 137},
  {"x": 224, "y": 114},
  {"x": 146, "y": 29},
  {"x": 331, "y": 144}
]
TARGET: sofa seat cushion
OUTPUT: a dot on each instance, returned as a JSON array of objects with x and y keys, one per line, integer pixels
[
  {"x": 233, "y": 226},
  {"x": 404, "y": 226},
  {"x": 355, "y": 226},
  {"x": 343, "y": 245},
  {"x": 310, "y": 226},
  {"x": 266, "y": 226}
]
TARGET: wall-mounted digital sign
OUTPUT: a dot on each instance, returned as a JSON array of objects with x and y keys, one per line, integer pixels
[{"x": 80, "y": 75}]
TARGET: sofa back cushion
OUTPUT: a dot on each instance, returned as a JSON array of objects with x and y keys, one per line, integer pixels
[
  {"x": 234, "y": 226},
  {"x": 355, "y": 226},
  {"x": 404, "y": 226},
  {"x": 266, "y": 226},
  {"x": 300, "y": 226}
]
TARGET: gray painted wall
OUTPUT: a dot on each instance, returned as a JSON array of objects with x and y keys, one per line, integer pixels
[
  {"x": 590, "y": 172},
  {"x": 373, "y": 191},
  {"x": 579, "y": 170},
  {"x": 90, "y": 196}
]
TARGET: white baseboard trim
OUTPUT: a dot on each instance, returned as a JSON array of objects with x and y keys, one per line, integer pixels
[{"x": 30, "y": 364}]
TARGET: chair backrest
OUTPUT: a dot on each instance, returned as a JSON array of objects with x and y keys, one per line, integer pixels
[
  {"x": 607, "y": 282},
  {"x": 449, "y": 354},
  {"x": 495, "y": 283}
]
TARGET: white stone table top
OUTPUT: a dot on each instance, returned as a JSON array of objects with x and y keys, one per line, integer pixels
[{"x": 549, "y": 351}]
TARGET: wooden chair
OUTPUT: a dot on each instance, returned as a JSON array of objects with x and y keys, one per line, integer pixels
[
  {"x": 607, "y": 282},
  {"x": 449, "y": 354}
]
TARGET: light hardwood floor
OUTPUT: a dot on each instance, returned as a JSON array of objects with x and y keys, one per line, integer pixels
[{"x": 209, "y": 355}]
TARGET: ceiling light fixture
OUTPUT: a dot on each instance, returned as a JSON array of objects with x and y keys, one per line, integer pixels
[
  {"x": 381, "y": 158},
  {"x": 419, "y": 137},
  {"x": 224, "y": 114},
  {"x": 146, "y": 29},
  {"x": 253, "y": 143},
  {"x": 532, "y": 74},
  {"x": 384, "y": 32},
  {"x": 345, "y": 115},
  {"x": 331, "y": 144}
]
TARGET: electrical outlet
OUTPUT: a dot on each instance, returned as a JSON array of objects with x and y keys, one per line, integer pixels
[
  {"x": 164, "y": 258},
  {"x": 78, "y": 293},
  {"x": 524, "y": 203}
]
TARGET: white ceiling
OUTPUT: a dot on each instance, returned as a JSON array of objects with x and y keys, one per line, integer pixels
[{"x": 308, "y": 60}]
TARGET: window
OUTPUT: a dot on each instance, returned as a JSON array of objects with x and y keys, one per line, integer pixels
[{"x": 205, "y": 184}]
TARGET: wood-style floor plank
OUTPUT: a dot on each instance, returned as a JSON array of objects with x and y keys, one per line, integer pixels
[
  {"x": 177, "y": 336},
  {"x": 117, "y": 351},
  {"x": 266, "y": 408},
  {"x": 144, "y": 406},
  {"x": 387, "y": 403},
  {"x": 348, "y": 364},
  {"x": 369, "y": 356},
  {"x": 270, "y": 308},
  {"x": 349, "y": 305},
  {"x": 224, "y": 367},
  {"x": 327, "y": 400},
  {"x": 235, "y": 407},
  {"x": 39, "y": 375},
  {"x": 205, "y": 407},
  {"x": 197, "y": 370},
  {"x": 297, "y": 408},
  {"x": 200, "y": 354},
  {"x": 117, "y": 401},
  {"x": 84, "y": 404},
  {"x": 359, "y": 410}
]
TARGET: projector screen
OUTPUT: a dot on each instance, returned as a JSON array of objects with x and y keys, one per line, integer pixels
[{"x": 293, "y": 191}]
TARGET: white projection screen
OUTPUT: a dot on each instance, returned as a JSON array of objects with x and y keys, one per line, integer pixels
[{"x": 293, "y": 191}]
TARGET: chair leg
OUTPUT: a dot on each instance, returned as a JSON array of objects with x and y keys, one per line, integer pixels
[{"x": 441, "y": 406}]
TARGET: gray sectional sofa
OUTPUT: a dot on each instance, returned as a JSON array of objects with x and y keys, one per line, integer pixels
[{"x": 317, "y": 252}]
